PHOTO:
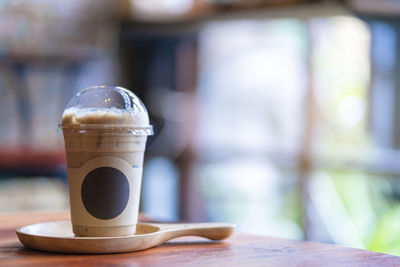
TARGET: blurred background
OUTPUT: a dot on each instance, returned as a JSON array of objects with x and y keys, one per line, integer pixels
[{"x": 282, "y": 116}]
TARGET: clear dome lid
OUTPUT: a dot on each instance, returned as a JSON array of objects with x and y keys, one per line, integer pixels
[{"x": 106, "y": 107}]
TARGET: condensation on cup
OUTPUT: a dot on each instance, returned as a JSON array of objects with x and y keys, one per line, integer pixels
[{"x": 105, "y": 131}]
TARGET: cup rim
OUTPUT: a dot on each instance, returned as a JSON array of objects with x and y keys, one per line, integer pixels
[{"x": 107, "y": 128}]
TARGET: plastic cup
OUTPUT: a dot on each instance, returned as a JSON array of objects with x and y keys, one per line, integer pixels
[{"x": 105, "y": 131}]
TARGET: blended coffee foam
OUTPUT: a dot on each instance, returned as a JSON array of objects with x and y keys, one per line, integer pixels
[{"x": 111, "y": 116}]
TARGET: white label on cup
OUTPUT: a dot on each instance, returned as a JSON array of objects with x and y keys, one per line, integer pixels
[{"x": 105, "y": 191}]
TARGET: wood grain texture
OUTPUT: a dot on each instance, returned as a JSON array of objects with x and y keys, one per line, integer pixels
[{"x": 239, "y": 250}]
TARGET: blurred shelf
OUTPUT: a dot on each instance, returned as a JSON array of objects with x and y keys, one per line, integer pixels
[
  {"x": 27, "y": 161},
  {"x": 296, "y": 9},
  {"x": 78, "y": 56},
  {"x": 374, "y": 7},
  {"x": 155, "y": 26},
  {"x": 300, "y": 9}
]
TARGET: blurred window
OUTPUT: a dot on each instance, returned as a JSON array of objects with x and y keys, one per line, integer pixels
[
  {"x": 251, "y": 115},
  {"x": 256, "y": 116}
]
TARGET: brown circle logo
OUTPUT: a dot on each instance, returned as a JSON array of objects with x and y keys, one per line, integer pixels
[{"x": 105, "y": 192}]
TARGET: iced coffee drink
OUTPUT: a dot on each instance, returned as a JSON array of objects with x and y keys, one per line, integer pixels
[{"x": 105, "y": 131}]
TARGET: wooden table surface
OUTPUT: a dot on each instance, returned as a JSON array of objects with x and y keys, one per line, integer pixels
[{"x": 239, "y": 250}]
